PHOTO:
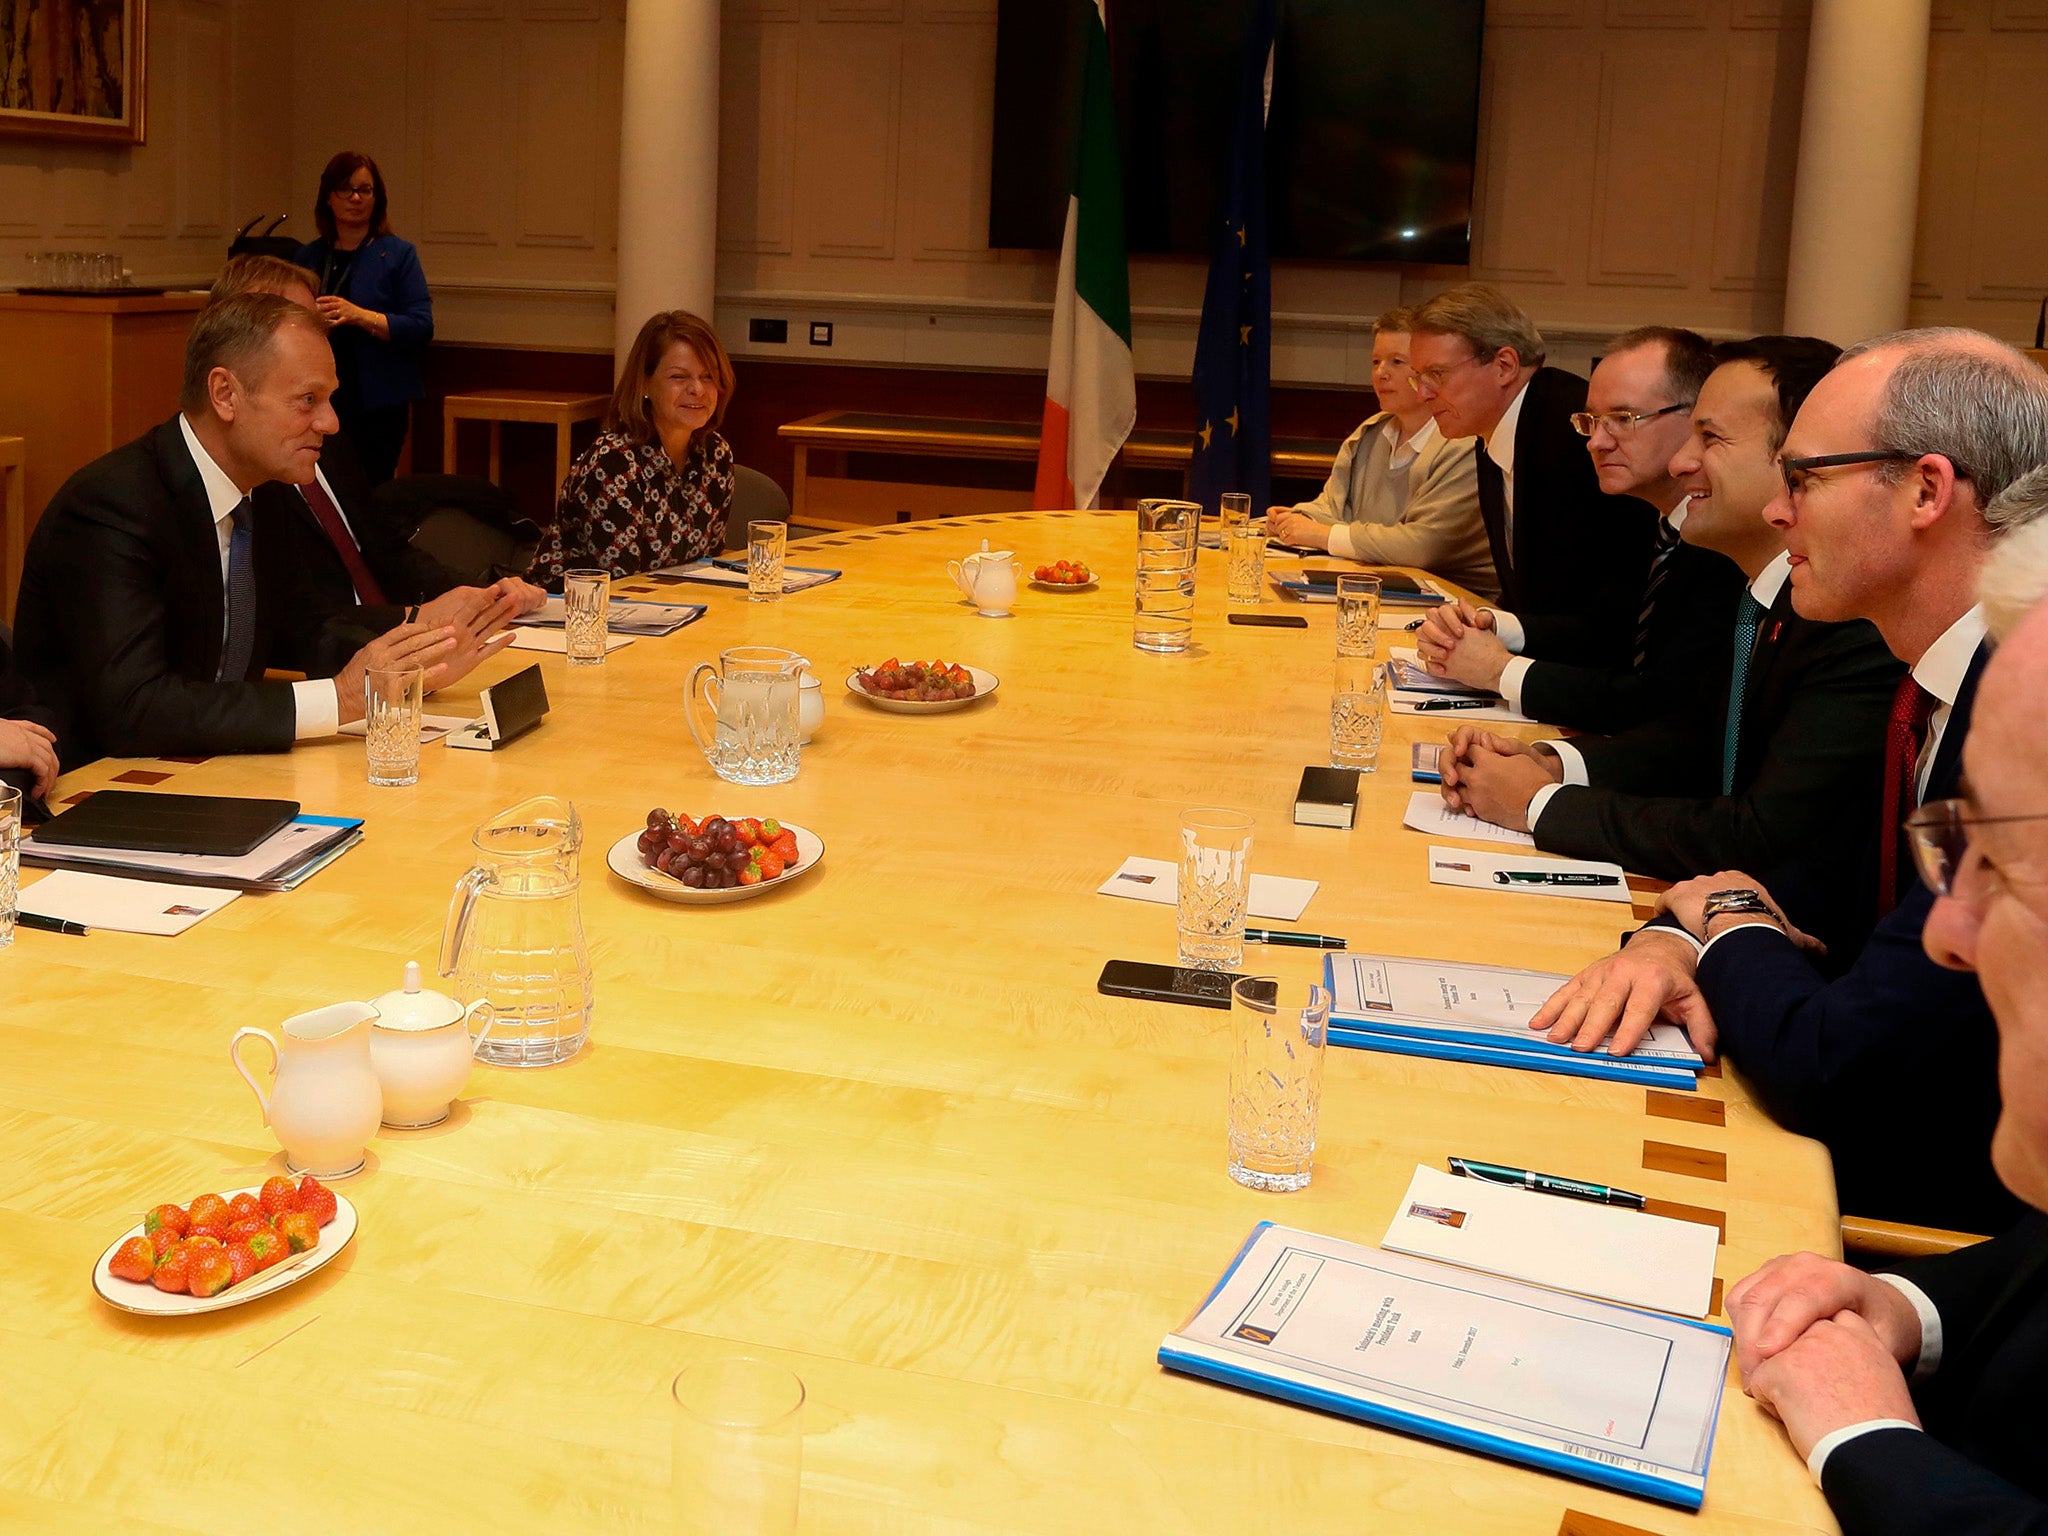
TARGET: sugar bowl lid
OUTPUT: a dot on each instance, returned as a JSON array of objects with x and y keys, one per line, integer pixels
[{"x": 415, "y": 1007}]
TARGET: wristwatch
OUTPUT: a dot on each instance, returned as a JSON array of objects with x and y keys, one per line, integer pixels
[{"x": 1728, "y": 903}]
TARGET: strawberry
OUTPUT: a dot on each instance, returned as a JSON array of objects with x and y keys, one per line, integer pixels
[
  {"x": 784, "y": 847},
  {"x": 245, "y": 1207},
  {"x": 771, "y": 867},
  {"x": 214, "y": 1231},
  {"x": 166, "y": 1217},
  {"x": 210, "y": 1272},
  {"x": 206, "y": 1208},
  {"x": 316, "y": 1199},
  {"x": 270, "y": 1249},
  {"x": 299, "y": 1229},
  {"x": 751, "y": 875},
  {"x": 133, "y": 1260},
  {"x": 277, "y": 1196},
  {"x": 169, "y": 1274},
  {"x": 201, "y": 1240},
  {"x": 165, "y": 1240},
  {"x": 771, "y": 829},
  {"x": 242, "y": 1231},
  {"x": 242, "y": 1261},
  {"x": 750, "y": 829}
]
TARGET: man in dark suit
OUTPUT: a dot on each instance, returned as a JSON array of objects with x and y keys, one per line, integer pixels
[
  {"x": 1571, "y": 560},
  {"x": 28, "y": 738},
  {"x": 1893, "y": 475},
  {"x": 1685, "y": 794},
  {"x": 1637, "y": 417},
  {"x": 153, "y": 600},
  {"x": 1916, "y": 1396}
]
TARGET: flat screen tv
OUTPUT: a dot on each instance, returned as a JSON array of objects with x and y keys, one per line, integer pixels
[{"x": 1370, "y": 138}]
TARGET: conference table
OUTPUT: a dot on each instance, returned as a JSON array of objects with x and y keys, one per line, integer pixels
[{"x": 877, "y": 1125}]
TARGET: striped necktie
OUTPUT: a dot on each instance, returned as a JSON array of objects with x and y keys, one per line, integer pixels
[
  {"x": 1748, "y": 615},
  {"x": 1660, "y": 567},
  {"x": 1905, "y": 737},
  {"x": 239, "y": 648}
]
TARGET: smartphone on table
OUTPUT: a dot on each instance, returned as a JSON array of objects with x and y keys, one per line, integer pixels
[{"x": 1166, "y": 983}]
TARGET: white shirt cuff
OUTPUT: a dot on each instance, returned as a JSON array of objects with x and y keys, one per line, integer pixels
[
  {"x": 1817, "y": 1458},
  {"x": 1509, "y": 629},
  {"x": 1510, "y": 685},
  {"x": 1537, "y": 801},
  {"x": 318, "y": 707},
  {"x": 1759, "y": 921},
  {"x": 1930, "y": 1325},
  {"x": 1340, "y": 542},
  {"x": 1570, "y": 758},
  {"x": 1671, "y": 928}
]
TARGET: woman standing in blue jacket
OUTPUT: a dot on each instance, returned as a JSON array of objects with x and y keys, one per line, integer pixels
[{"x": 374, "y": 295}]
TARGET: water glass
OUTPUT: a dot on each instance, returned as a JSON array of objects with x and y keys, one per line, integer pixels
[
  {"x": 1278, "y": 1030},
  {"x": 1358, "y": 614},
  {"x": 10, "y": 860},
  {"x": 1213, "y": 887},
  {"x": 1235, "y": 510},
  {"x": 738, "y": 1462},
  {"x": 1358, "y": 713},
  {"x": 391, "y": 724},
  {"x": 586, "y": 604},
  {"x": 1167, "y": 532},
  {"x": 765, "y": 543},
  {"x": 1245, "y": 549}
]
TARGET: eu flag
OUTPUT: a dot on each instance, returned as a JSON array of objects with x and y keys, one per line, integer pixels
[{"x": 1233, "y": 354}]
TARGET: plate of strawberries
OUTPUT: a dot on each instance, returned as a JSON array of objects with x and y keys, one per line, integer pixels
[{"x": 220, "y": 1250}]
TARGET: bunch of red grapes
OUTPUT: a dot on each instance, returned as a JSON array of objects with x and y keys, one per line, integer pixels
[{"x": 716, "y": 854}]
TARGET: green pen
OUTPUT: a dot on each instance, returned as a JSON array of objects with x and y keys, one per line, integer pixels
[{"x": 1544, "y": 1183}]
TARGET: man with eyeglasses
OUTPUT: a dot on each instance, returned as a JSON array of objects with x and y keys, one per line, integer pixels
[
  {"x": 1895, "y": 475},
  {"x": 1917, "y": 1397},
  {"x": 1637, "y": 415},
  {"x": 1570, "y": 559}
]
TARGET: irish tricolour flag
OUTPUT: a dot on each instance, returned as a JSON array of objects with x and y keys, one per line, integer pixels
[{"x": 1091, "y": 393}]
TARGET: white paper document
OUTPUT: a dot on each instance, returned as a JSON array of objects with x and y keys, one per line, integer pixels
[
  {"x": 1428, "y": 813},
  {"x": 1409, "y": 701},
  {"x": 1622, "y": 1398},
  {"x": 556, "y": 641},
  {"x": 1587, "y": 879},
  {"x": 433, "y": 728},
  {"x": 733, "y": 573},
  {"x": 1158, "y": 881},
  {"x": 1482, "y": 1004},
  {"x": 623, "y": 616},
  {"x": 132, "y": 906},
  {"x": 1574, "y": 1245}
]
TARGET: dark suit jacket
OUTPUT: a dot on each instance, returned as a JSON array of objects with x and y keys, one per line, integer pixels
[
  {"x": 1685, "y": 664},
  {"x": 18, "y": 702},
  {"x": 1809, "y": 759},
  {"x": 1575, "y": 574},
  {"x": 1980, "y": 1467},
  {"x": 1894, "y": 1064},
  {"x": 386, "y": 277},
  {"x": 121, "y": 610}
]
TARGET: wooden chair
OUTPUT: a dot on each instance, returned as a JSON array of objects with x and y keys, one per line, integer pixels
[{"x": 1896, "y": 1240}]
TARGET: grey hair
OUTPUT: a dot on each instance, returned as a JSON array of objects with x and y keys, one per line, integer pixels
[
  {"x": 1966, "y": 397},
  {"x": 1485, "y": 318},
  {"x": 2015, "y": 575},
  {"x": 1398, "y": 320}
]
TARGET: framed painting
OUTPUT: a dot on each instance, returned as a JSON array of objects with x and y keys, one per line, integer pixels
[{"x": 73, "y": 69}]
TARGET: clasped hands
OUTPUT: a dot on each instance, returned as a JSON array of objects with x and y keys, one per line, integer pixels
[
  {"x": 448, "y": 639},
  {"x": 1457, "y": 641}
]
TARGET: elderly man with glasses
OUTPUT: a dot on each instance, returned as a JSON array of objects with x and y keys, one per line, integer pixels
[
  {"x": 1916, "y": 1397},
  {"x": 1900, "y": 476}
]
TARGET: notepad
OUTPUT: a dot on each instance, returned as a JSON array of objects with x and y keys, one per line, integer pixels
[
  {"x": 1612, "y": 1396},
  {"x": 1610, "y": 1251},
  {"x": 433, "y": 728},
  {"x": 1156, "y": 880},
  {"x": 1427, "y": 813},
  {"x": 622, "y": 616},
  {"x": 555, "y": 642},
  {"x": 1480, "y": 869},
  {"x": 130, "y": 906},
  {"x": 733, "y": 573}
]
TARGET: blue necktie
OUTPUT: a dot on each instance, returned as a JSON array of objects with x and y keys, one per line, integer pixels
[
  {"x": 1747, "y": 616},
  {"x": 240, "y": 645}
]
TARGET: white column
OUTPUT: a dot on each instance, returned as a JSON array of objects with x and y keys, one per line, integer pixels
[
  {"x": 668, "y": 164},
  {"x": 1854, "y": 205}
]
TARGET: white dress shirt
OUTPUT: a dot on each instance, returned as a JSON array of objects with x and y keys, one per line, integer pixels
[
  {"x": 1928, "y": 1363},
  {"x": 1500, "y": 447},
  {"x": 315, "y": 703}
]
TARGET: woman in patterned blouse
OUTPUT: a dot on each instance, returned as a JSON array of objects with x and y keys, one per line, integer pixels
[{"x": 655, "y": 487}]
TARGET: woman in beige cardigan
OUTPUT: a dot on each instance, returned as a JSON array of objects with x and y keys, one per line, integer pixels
[{"x": 1399, "y": 494}]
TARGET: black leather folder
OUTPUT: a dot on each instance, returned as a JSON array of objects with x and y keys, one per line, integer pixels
[{"x": 221, "y": 826}]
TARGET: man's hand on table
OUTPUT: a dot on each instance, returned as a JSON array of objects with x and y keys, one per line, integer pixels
[
  {"x": 25, "y": 744},
  {"x": 1772, "y": 1308},
  {"x": 1288, "y": 526},
  {"x": 1457, "y": 641},
  {"x": 1494, "y": 777},
  {"x": 1623, "y": 995},
  {"x": 421, "y": 647},
  {"x": 1687, "y": 901}
]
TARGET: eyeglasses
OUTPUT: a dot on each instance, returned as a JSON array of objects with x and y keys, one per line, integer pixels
[
  {"x": 1798, "y": 472},
  {"x": 1437, "y": 377},
  {"x": 1940, "y": 836},
  {"x": 1620, "y": 423},
  {"x": 356, "y": 194}
]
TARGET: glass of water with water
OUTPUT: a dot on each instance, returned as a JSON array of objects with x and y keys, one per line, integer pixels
[
  {"x": 1213, "y": 887},
  {"x": 1165, "y": 618},
  {"x": 765, "y": 543},
  {"x": 391, "y": 724},
  {"x": 1358, "y": 614},
  {"x": 1278, "y": 1031},
  {"x": 1245, "y": 548},
  {"x": 1358, "y": 713},
  {"x": 10, "y": 860},
  {"x": 586, "y": 599}
]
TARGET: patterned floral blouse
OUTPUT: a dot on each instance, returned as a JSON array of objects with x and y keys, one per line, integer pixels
[{"x": 626, "y": 507}]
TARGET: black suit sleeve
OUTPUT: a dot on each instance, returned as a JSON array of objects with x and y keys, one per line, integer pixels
[
  {"x": 1901, "y": 1482},
  {"x": 1964, "y": 1284}
]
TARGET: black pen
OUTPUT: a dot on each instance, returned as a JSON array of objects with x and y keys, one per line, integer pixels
[
  {"x": 48, "y": 924},
  {"x": 1414, "y": 624},
  {"x": 1287, "y": 938},
  {"x": 1544, "y": 1183},
  {"x": 1548, "y": 877},
  {"x": 1431, "y": 706}
]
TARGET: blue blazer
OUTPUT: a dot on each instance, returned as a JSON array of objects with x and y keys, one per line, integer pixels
[
  {"x": 1894, "y": 1064},
  {"x": 386, "y": 278}
]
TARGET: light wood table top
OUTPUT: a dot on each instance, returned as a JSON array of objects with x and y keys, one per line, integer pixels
[{"x": 878, "y": 1125}]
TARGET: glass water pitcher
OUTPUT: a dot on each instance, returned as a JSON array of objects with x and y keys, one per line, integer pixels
[{"x": 515, "y": 935}]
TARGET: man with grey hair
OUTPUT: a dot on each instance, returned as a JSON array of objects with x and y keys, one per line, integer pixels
[
  {"x": 1897, "y": 472},
  {"x": 1571, "y": 560},
  {"x": 153, "y": 599}
]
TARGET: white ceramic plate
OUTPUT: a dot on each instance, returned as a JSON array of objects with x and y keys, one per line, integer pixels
[
  {"x": 146, "y": 1300},
  {"x": 985, "y": 683},
  {"x": 1067, "y": 586},
  {"x": 624, "y": 861}
]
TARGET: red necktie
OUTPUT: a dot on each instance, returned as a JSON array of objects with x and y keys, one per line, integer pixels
[
  {"x": 1904, "y": 735},
  {"x": 368, "y": 592}
]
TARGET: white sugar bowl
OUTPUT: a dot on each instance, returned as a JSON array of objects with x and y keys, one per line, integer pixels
[{"x": 421, "y": 1047}]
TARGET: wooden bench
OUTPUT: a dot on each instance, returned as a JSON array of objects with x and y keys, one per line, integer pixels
[{"x": 825, "y": 494}]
